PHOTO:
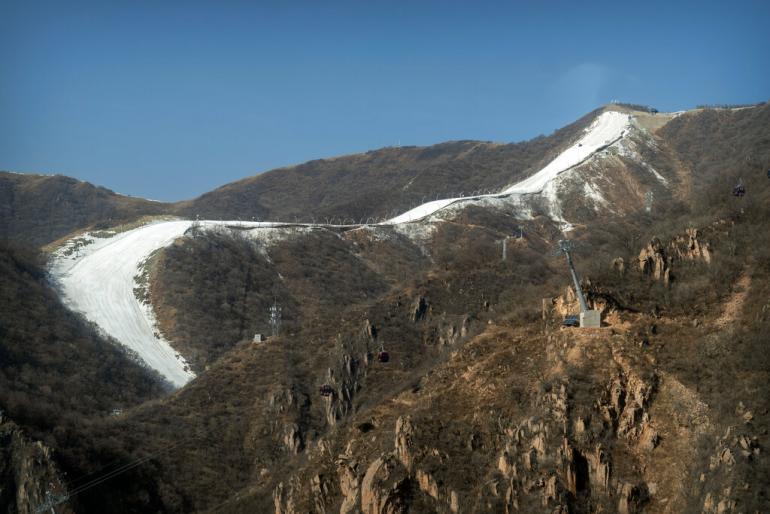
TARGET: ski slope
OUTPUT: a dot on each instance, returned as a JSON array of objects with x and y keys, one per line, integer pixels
[
  {"x": 606, "y": 129},
  {"x": 99, "y": 281},
  {"x": 101, "y": 284}
]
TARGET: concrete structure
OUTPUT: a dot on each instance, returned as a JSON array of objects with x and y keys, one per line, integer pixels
[{"x": 590, "y": 319}]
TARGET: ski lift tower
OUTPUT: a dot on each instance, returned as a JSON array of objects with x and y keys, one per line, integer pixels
[
  {"x": 275, "y": 318},
  {"x": 588, "y": 318}
]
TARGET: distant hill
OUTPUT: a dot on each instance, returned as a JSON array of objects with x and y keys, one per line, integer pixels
[
  {"x": 381, "y": 182},
  {"x": 38, "y": 209}
]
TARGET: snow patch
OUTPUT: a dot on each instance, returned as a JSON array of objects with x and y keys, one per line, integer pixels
[
  {"x": 417, "y": 232},
  {"x": 96, "y": 276},
  {"x": 608, "y": 128},
  {"x": 628, "y": 148},
  {"x": 99, "y": 282},
  {"x": 591, "y": 192}
]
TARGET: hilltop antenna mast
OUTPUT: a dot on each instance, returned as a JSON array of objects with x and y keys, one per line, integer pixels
[
  {"x": 649, "y": 196},
  {"x": 588, "y": 318},
  {"x": 275, "y": 318}
]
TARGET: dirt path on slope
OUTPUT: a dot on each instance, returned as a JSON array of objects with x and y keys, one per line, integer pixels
[{"x": 734, "y": 305}]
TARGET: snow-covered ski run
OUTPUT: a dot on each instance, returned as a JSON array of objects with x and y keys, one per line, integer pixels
[{"x": 99, "y": 280}]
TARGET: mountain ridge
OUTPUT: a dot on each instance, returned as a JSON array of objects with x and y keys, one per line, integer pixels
[{"x": 486, "y": 404}]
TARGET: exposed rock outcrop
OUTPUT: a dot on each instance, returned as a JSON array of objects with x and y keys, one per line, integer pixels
[
  {"x": 384, "y": 489},
  {"x": 419, "y": 308},
  {"x": 654, "y": 262},
  {"x": 29, "y": 477}
]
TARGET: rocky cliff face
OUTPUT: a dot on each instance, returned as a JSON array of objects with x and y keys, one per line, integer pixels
[
  {"x": 484, "y": 406},
  {"x": 520, "y": 422},
  {"x": 657, "y": 259},
  {"x": 29, "y": 477}
]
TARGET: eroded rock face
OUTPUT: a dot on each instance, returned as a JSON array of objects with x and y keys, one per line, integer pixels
[
  {"x": 581, "y": 442},
  {"x": 384, "y": 489},
  {"x": 292, "y": 438},
  {"x": 404, "y": 443},
  {"x": 567, "y": 303},
  {"x": 288, "y": 408},
  {"x": 690, "y": 247},
  {"x": 654, "y": 262},
  {"x": 345, "y": 382},
  {"x": 350, "y": 487},
  {"x": 419, "y": 308},
  {"x": 619, "y": 265},
  {"x": 29, "y": 477}
]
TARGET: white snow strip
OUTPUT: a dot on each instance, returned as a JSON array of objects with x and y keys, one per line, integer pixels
[
  {"x": 423, "y": 210},
  {"x": 101, "y": 285},
  {"x": 606, "y": 129},
  {"x": 98, "y": 278}
]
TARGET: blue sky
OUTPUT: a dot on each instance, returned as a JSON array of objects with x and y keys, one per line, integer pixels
[{"x": 167, "y": 100}]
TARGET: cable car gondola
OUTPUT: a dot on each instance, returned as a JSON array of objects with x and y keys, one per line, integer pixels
[
  {"x": 382, "y": 355},
  {"x": 739, "y": 190}
]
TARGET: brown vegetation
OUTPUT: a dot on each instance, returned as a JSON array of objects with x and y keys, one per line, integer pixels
[
  {"x": 484, "y": 405},
  {"x": 38, "y": 209}
]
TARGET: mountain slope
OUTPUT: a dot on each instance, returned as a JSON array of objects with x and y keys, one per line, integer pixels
[
  {"x": 486, "y": 403},
  {"x": 380, "y": 183},
  {"x": 101, "y": 279},
  {"x": 39, "y": 209}
]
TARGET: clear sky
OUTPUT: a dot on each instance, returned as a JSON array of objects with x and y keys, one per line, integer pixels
[{"x": 167, "y": 100}]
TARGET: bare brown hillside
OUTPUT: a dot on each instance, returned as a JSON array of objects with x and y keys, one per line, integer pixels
[
  {"x": 486, "y": 403},
  {"x": 39, "y": 209},
  {"x": 380, "y": 183}
]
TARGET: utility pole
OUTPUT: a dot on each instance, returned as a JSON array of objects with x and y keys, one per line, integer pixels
[
  {"x": 51, "y": 501},
  {"x": 275, "y": 318},
  {"x": 588, "y": 318},
  {"x": 518, "y": 234}
]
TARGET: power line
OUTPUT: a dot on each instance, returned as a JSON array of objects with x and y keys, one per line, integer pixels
[{"x": 53, "y": 500}]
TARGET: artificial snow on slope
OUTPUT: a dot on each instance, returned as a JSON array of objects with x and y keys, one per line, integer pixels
[
  {"x": 99, "y": 280},
  {"x": 100, "y": 284},
  {"x": 421, "y": 211},
  {"x": 606, "y": 129}
]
